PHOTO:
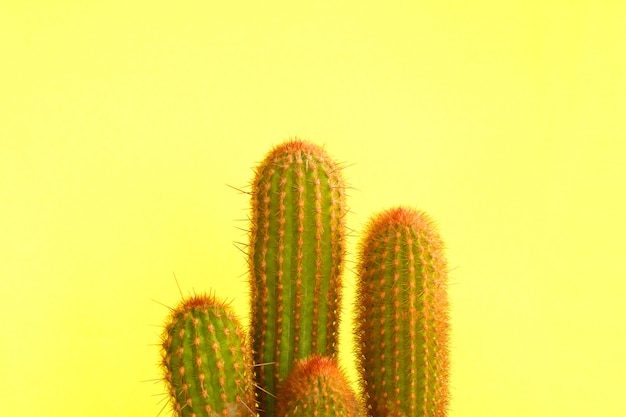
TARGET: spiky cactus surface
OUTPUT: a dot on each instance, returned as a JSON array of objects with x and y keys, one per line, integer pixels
[
  {"x": 316, "y": 387},
  {"x": 206, "y": 362},
  {"x": 295, "y": 259},
  {"x": 402, "y": 316}
]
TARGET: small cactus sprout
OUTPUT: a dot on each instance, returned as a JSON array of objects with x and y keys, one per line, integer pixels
[
  {"x": 317, "y": 387},
  {"x": 295, "y": 259},
  {"x": 402, "y": 316},
  {"x": 206, "y": 362}
]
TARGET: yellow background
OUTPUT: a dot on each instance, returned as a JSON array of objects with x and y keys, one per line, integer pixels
[{"x": 122, "y": 123}]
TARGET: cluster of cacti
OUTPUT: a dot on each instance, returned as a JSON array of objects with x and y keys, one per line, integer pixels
[{"x": 286, "y": 365}]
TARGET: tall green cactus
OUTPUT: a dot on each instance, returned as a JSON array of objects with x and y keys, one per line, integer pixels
[
  {"x": 206, "y": 361},
  {"x": 295, "y": 259},
  {"x": 316, "y": 387},
  {"x": 402, "y": 316}
]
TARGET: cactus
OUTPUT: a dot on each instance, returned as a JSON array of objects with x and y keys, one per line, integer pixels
[
  {"x": 295, "y": 260},
  {"x": 206, "y": 362},
  {"x": 402, "y": 316},
  {"x": 317, "y": 387}
]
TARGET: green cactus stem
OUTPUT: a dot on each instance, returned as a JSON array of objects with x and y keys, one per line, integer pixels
[
  {"x": 402, "y": 316},
  {"x": 295, "y": 259},
  {"x": 317, "y": 387},
  {"x": 206, "y": 362}
]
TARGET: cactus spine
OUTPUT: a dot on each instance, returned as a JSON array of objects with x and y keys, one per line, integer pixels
[
  {"x": 206, "y": 361},
  {"x": 317, "y": 387},
  {"x": 295, "y": 259},
  {"x": 402, "y": 316}
]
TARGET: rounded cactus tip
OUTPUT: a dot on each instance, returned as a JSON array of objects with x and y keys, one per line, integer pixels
[
  {"x": 200, "y": 300},
  {"x": 403, "y": 215},
  {"x": 318, "y": 387},
  {"x": 296, "y": 146},
  {"x": 314, "y": 366}
]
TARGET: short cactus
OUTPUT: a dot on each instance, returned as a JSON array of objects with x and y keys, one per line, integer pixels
[
  {"x": 316, "y": 387},
  {"x": 295, "y": 259},
  {"x": 206, "y": 361},
  {"x": 402, "y": 316}
]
